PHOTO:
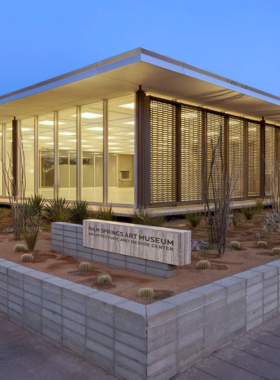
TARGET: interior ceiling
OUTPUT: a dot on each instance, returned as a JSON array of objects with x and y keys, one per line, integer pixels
[{"x": 155, "y": 80}]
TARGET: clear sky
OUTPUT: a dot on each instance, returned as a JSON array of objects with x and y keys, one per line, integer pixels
[{"x": 237, "y": 39}]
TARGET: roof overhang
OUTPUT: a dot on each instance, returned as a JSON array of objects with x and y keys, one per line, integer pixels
[{"x": 157, "y": 74}]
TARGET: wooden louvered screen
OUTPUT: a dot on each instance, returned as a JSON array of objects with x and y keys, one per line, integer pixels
[
  {"x": 254, "y": 159},
  {"x": 163, "y": 152},
  {"x": 215, "y": 125},
  {"x": 236, "y": 155},
  {"x": 270, "y": 155},
  {"x": 191, "y": 154}
]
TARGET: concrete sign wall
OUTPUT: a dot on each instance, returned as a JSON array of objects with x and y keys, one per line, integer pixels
[{"x": 164, "y": 245}]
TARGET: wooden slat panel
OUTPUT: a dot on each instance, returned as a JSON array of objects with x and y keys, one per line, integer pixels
[
  {"x": 235, "y": 149},
  {"x": 163, "y": 152},
  {"x": 191, "y": 154},
  {"x": 254, "y": 159},
  {"x": 270, "y": 156}
]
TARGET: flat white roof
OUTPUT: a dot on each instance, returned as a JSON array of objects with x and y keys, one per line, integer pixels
[{"x": 157, "y": 74}]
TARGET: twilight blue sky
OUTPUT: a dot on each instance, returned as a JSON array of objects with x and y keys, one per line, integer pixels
[{"x": 237, "y": 39}]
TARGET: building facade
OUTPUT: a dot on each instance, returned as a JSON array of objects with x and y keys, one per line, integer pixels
[{"x": 135, "y": 131}]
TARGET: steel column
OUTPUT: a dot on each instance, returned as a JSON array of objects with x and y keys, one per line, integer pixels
[
  {"x": 178, "y": 153},
  {"x": 79, "y": 167},
  {"x": 56, "y": 156},
  {"x": 262, "y": 158},
  {"x": 15, "y": 155},
  {"x": 105, "y": 152}
]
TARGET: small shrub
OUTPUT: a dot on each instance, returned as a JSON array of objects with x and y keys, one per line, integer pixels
[
  {"x": 259, "y": 205},
  {"x": 262, "y": 244},
  {"x": 203, "y": 264},
  {"x": 27, "y": 258},
  {"x": 234, "y": 245},
  {"x": 30, "y": 233},
  {"x": 85, "y": 266},
  {"x": 146, "y": 293},
  {"x": 57, "y": 210},
  {"x": 20, "y": 248},
  {"x": 80, "y": 211},
  {"x": 104, "y": 280},
  {"x": 194, "y": 219},
  {"x": 146, "y": 218},
  {"x": 236, "y": 218},
  {"x": 276, "y": 251},
  {"x": 104, "y": 213},
  {"x": 249, "y": 212}
]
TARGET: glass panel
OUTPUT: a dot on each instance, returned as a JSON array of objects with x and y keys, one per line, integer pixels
[
  {"x": 254, "y": 147},
  {"x": 46, "y": 155},
  {"x": 92, "y": 152},
  {"x": 270, "y": 156},
  {"x": 27, "y": 131},
  {"x": 9, "y": 151},
  {"x": 1, "y": 138},
  {"x": 236, "y": 148},
  {"x": 67, "y": 153},
  {"x": 121, "y": 150}
]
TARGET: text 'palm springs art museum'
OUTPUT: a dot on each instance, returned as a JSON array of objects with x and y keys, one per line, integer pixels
[{"x": 133, "y": 131}]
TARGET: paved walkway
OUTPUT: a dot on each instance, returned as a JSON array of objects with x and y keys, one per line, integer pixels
[{"x": 26, "y": 356}]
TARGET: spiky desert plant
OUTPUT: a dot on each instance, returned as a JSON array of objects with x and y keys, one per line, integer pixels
[
  {"x": 235, "y": 218},
  {"x": 104, "y": 280},
  {"x": 276, "y": 251},
  {"x": 57, "y": 210},
  {"x": 203, "y": 264},
  {"x": 104, "y": 213},
  {"x": 259, "y": 205},
  {"x": 262, "y": 244},
  {"x": 85, "y": 266},
  {"x": 146, "y": 293},
  {"x": 34, "y": 206},
  {"x": 27, "y": 258},
  {"x": 146, "y": 218},
  {"x": 195, "y": 218},
  {"x": 20, "y": 248},
  {"x": 249, "y": 212},
  {"x": 30, "y": 233},
  {"x": 234, "y": 245},
  {"x": 80, "y": 211}
]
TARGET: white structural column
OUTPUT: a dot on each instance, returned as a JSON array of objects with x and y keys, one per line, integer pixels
[
  {"x": 105, "y": 151},
  {"x": 3, "y": 153},
  {"x": 79, "y": 167},
  {"x": 36, "y": 156},
  {"x": 56, "y": 155}
]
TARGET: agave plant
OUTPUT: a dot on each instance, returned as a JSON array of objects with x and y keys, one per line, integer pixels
[
  {"x": 34, "y": 207},
  {"x": 57, "y": 210},
  {"x": 80, "y": 211},
  {"x": 104, "y": 213},
  {"x": 145, "y": 218}
]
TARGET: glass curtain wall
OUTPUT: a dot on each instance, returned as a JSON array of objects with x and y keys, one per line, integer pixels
[
  {"x": 92, "y": 152},
  {"x": 236, "y": 156},
  {"x": 1, "y": 156},
  {"x": 27, "y": 133},
  {"x": 270, "y": 155},
  {"x": 121, "y": 150},
  {"x": 254, "y": 159},
  {"x": 67, "y": 154},
  {"x": 46, "y": 155}
]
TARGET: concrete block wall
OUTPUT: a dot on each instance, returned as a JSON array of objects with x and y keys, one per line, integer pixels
[
  {"x": 68, "y": 239},
  {"x": 131, "y": 340}
]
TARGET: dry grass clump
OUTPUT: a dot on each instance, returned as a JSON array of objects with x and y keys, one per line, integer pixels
[
  {"x": 104, "y": 280},
  {"x": 203, "y": 264},
  {"x": 83, "y": 266},
  {"x": 27, "y": 258},
  {"x": 146, "y": 293}
]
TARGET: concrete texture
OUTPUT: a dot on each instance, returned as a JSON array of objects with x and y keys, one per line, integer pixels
[{"x": 68, "y": 239}]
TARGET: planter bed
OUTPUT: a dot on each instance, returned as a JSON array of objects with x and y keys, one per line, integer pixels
[{"x": 132, "y": 340}]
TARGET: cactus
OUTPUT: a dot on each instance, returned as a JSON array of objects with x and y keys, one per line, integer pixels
[
  {"x": 262, "y": 244},
  {"x": 146, "y": 293},
  {"x": 203, "y": 264},
  {"x": 234, "y": 245},
  {"x": 105, "y": 280},
  {"x": 276, "y": 251},
  {"x": 20, "y": 248},
  {"x": 27, "y": 258},
  {"x": 85, "y": 266}
]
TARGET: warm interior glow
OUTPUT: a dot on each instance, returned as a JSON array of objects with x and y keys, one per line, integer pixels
[{"x": 129, "y": 105}]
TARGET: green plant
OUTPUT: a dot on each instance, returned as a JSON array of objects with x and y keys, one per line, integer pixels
[
  {"x": 146, "y": 293},
  {"x": 194, "y": 219},
  {"x": 57, "y": 210},
  {"x": 249, "y": 212},
  {"x": 259, "y": 205},
  {"x": 85, "y": 266},
  {"x": 203, "y": 264},
  {"x": 145, "y": 218},
  {"x": 80, "y": 211},
  {"x": 235, "y": 218},
  {"x": 104, "y": 213},
  {"x": 20, "y": 248},
  {"x": 262, "y": 244},
  {"x": 276, "y": 251},
  {"x": 104, "y": 280},
  {"x": 27, "y": 258},
  {"x": 5, "y": 212},
  {"x": 34, "y": 206},
  {"x": 30, "y": 233},
  {"x": 234, "y": 245}
]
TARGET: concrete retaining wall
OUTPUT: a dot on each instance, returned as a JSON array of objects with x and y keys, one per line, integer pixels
[
  {"x": 135, "y": 341},
  {"x": 68, "y": 239}
]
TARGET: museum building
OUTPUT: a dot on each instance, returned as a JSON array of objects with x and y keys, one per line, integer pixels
[{"x": 135, "y": 130}]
